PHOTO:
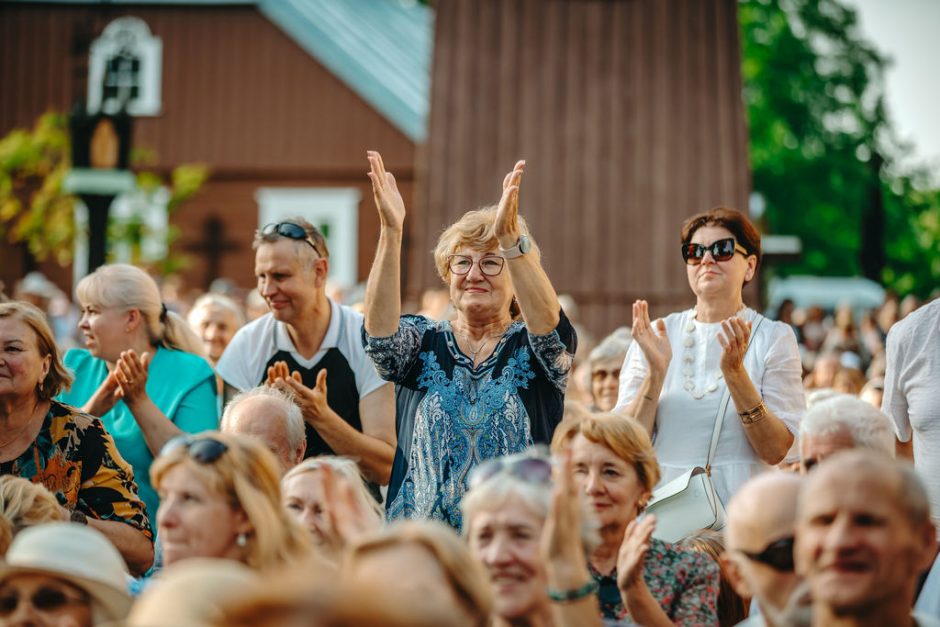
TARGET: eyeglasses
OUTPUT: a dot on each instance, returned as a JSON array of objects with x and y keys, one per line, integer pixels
[
  {"x": 778, "y": 555},
  {"x": 44, "y": 599},
  {"x": 202, "y": 449},
  {"x": 491, "y": 265},
  {"x": 534, "y": 467},
  {"x": 721, "y": 250},
  {"x": 290, "y": 231}
]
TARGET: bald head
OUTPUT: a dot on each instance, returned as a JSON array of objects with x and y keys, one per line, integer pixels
[
  {"x": 272, "y": 417},
  {"x": 762, "y": 511}
]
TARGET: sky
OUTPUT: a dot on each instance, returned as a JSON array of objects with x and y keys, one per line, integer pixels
[{"x": 908, "y": 31}]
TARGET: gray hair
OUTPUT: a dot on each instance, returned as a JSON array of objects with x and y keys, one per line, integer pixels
[
  {"x": 870, "y": 428},
  {"x": 296, "y": 431},
  {"x": 217, "y": 300},
  {"x": 614, "y": 346},
  {"x": 504, "y": 487},
  {"x": 349, "y": 471}
]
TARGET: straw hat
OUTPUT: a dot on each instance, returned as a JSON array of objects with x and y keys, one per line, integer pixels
[{"x": 77, "y": 554}]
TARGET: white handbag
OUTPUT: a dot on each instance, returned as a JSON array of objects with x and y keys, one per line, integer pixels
[{"x": 689, "y": 502}]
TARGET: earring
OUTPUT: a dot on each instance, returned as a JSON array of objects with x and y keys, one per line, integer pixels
[{"x": 241, "y": 540}]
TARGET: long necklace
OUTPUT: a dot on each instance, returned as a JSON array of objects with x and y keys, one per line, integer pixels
[
  {"x": 483, "y": 343},
  {"x": 688, "y": 365}
]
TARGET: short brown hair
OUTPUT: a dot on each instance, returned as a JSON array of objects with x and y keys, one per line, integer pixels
[
  {"x": 744, "y": 231},
  {"x": 313, "y": 234},
  {"x": 623, "y": 436},
  {"x": 59, "y": 378}
]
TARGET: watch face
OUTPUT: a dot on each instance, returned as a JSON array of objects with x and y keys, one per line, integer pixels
[{"x": 525, "y": 244}]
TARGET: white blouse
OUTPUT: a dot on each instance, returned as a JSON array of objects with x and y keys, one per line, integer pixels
[{"x": 684, "y": 424}]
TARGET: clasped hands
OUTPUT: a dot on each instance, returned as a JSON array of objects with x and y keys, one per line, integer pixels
[
  {"x": 127, "y": 380},
  {"x": 312, "y": 401}
]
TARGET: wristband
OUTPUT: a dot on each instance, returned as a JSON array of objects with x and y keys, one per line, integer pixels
[
  {"x": 753, "y": 415},
  {"x": 567, "y": 596}
]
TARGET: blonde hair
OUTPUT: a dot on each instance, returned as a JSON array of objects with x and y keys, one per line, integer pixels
[
  {"x": 623, "y": 436},
  {"x": 348, "y": 470},
  {"x": 475, "y": 230},
  {"x": 465, "y": 575},
  {"x": 58, "y": 378},
  {"x": 220, "y": 301},
  {"x": 248, "y": 476},
  {"x": 23, "y": 504},
  {"x": 127, "y": 287}
]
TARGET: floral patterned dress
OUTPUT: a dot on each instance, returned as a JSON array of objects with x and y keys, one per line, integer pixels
[
  {"x": 452, "y": 415},
  {"x": 76, "y": 459},
  {"x": 684, "y": 582}
]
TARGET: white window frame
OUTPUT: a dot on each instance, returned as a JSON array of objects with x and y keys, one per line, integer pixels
[
  {"x": 337, "y": 207},
  {"x": 134, "y": 34}
]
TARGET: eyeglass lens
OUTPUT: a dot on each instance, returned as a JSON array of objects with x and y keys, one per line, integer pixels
[
  {"x": 721, "y": 250},
  {"x": 44, "y": 599},
  {"x": 462, "y": 264}
]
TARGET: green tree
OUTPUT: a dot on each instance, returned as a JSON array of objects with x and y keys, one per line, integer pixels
[
  {"x": 823, "y": 153},
  {"x": 36, "y": 210}
]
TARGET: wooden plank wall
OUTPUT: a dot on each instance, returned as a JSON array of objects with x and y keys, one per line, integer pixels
[
  {"x": 629, "y": 115},
  {"x": 238, "y": 95}
]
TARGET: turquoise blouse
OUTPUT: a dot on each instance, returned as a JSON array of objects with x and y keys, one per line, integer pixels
[{"x": 181, "y": 384}]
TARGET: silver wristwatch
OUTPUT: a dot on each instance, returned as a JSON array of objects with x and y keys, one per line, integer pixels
[{"x": 523, "y": 245}]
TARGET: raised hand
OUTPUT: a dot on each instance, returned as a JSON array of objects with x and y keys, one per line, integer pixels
[
  {"x": 312, "y": 401},
  {"x": 131, "y": 373},
  {"x": 105, "y": 397},
  {"x": 278, "y": 371},
  {"x": 562, "y": 548},
  {"x": 652, "y": 338},
  {"x": 632, "y": 556},
  {"x": 734, "y": 336},
  {"x": 385, "y": 190},
  {"x": 343, "y": 519},
  {"x": 507, "y": 215}
]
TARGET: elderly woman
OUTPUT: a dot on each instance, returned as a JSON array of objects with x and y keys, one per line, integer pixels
[
  {"x": 65, "y": 450},
  {"x": 330, "y": 499},
  {"x": 640, "y": 577},
  {"x": 605, "y": 362},
  {"x": 215, "y": 318},
  {"x": 220, "y": 497},
  {"x": 62, "y": 575},
  {"x": 142, "y": 372},
  {"x": 24, "y": 504},
  {"x": 677, "y": 371},
  {"x": 531, "y": 539},
  {"x": 484, "y": 385}
]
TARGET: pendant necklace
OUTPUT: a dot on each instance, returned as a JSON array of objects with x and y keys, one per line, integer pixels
[{"x": 479, "y": 349}]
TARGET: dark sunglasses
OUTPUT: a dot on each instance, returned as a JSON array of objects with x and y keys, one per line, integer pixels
[
  {"x": 44, "y": 599},
  {"x": 532, "y": 467},
  {"x": 721, "y": 250},
  {"x": 202, "y": 449},
  {"x": 290, "y": 231},
  {"x": 778, "y": 555}
]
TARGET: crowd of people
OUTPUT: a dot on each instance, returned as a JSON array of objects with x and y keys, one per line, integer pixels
[{"x": 302, "y": 461}]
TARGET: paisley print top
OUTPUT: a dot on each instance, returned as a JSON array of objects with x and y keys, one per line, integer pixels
[
  {"x": 451, "y": 416},
  {"x": 75, "y": 459},
  {"x": 685, "y": 583}
]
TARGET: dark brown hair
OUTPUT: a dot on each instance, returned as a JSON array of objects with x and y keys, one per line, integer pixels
[{"x": 744, "y": 231}]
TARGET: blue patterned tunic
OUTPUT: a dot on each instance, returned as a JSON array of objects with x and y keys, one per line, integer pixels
[{"x": 451, "y": 416}]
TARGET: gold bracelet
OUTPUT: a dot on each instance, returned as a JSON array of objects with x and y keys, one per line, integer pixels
[{"x": 753, "y": 415}]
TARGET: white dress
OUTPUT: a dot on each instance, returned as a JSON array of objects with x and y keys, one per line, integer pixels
[{"x": 684, "y": 423}]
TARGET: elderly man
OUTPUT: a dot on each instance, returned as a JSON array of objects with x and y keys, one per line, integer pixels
[
  {"x": 759, "y": 539},
  {"x": 863, "y": 537},
  {"x": 311, "y": 347},
  {"x": 842, "y": 422},
  {"x": 272, "y": 417}
]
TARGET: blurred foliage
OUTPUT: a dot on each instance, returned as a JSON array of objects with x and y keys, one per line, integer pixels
[
  {"x": 821, "y": 142},
  {"x": 34, "y": 208}
]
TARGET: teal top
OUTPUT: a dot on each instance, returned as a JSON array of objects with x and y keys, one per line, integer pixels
[{"x": 181, "y": 384}]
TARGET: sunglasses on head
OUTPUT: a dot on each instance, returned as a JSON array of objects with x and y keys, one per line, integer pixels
[
  {"x": 721, "y": 250},
  {"x": 533, "y": 468},
  {"x": 44, "y": 599},
  {"x": 778, "y": 555},
  {"x": 290, "y": 231},
  {"x": 204, "y": 450}
]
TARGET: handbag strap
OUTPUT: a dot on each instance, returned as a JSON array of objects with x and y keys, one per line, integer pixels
[{"x": 725, "y": 398}]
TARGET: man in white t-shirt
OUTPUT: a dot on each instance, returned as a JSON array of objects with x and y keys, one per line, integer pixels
[
  {"x": 912, "y": 392},
  {"x": 311, "y": 348}
]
